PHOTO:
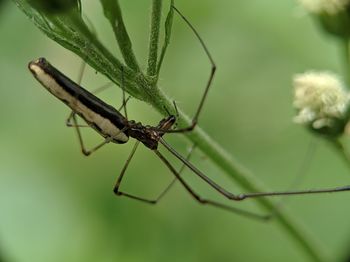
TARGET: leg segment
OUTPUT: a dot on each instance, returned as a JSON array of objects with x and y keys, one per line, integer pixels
[
  {"x": 239, "y": 197},
  {"x": 149, "y": 201},
  {"x": 208, "y": 85},
  {"x": 80, "y": 138},
  {"x": 207, "y": 201},
  {"x": 124, "y": 100}
]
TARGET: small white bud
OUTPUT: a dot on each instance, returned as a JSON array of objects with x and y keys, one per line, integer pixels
[
  {"x": 330, "y": 7},
  {"x": 320, "y": 99}
]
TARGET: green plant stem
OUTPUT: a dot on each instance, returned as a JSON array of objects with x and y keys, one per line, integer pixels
[
  {"x": 154, "y": 37},
  {"x": 77, "y": 38},
  {"x": 113, "y": 13},
  {"x": 346, "y": 58}
]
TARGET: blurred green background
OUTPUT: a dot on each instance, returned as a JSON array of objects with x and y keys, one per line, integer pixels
[{"x": 57, "y": 205}]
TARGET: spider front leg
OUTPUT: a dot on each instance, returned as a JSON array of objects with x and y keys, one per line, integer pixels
[
  {"x": 240, "y": 197},
  {"x": 209, "y": 82}
]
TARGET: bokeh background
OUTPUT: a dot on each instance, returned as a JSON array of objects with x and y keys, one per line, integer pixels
[{"x": 57, "y": 205}]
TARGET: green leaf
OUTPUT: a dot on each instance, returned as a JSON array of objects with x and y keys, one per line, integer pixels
[
  {"x": 113, "y": 13},
  {"x": 55, "y": 6}
]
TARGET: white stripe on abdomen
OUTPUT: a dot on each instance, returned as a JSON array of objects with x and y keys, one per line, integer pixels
[{"x": 107, "y": 128}]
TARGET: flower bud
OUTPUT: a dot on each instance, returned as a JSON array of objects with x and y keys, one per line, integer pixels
[
  {"x": 334, "y": 15},
  {"x": 322, "y": 102}
]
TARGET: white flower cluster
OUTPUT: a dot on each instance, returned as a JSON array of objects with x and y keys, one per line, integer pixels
[
  {"x": 330, "y": 7},
  {"x": 319, "y": 98}
]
